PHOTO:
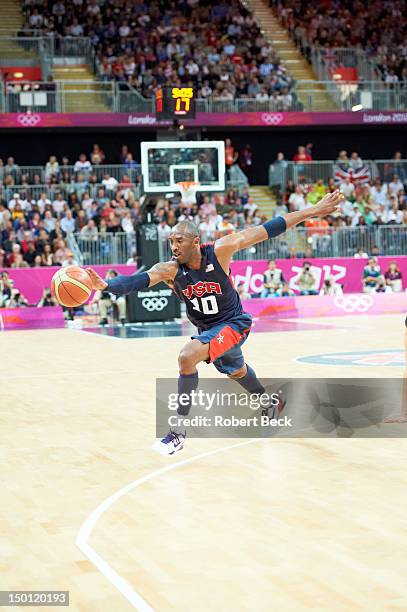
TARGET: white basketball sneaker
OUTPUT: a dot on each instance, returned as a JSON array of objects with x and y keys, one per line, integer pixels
[
  {"x": 273, "y": 412},
  {"x": 172, "y": 443}
]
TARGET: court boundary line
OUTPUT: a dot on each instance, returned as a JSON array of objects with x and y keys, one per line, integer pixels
[
  {"x": 369, "y": 351},
  {"x": 130, "y": 593}
]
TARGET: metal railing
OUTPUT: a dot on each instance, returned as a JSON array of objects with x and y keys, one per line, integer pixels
[
  {"x": 369, "y": 91},
  {"x": 73, "y": 95},
  {"x": 354, "y": 95},
  {"x": 49, "y": 48},
  {"x": 81, "y": 95},
  {"x": 334, "y": 242},
  {"x": 106, "y": 248},
  {"x": 310, "y": 172},
  {"x": 37, "y": 175},
  {"x": 34, "y": 192},
  {"x": 325, "y": 61}
]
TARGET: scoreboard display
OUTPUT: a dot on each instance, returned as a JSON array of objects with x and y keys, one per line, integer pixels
[{"x": 172, "y": 103}]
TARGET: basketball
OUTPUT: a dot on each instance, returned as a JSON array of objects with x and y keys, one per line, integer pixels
[{"x": 71, "y": 286}]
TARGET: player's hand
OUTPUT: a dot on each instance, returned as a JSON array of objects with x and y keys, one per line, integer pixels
[
  {"x": 330, "y": 203},
  {"x": 97, "y": 281}
]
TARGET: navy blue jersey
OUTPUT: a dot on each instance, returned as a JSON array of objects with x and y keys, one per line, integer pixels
[{"x": 208, "y": 293}]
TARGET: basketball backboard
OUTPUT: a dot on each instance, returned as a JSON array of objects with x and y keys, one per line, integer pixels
[{"x": 166, "y": 163}]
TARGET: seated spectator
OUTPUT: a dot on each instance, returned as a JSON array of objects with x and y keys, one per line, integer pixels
[
  {"x": 60, "y": 253},
  {"x": 31, "y": 253},
  {"x": 296, "y": 201},
  {"x": 251, "y": 207},
  {"x": 372, "y": 276},
  {"x": 225, "y": 227},
  {"x": 280, "y": 210},
  {"x": 379, "y": 192},
  {"x": 59, "y": 204},
  {"x": 69, "y": 260},
  {"x": 17, "y": 300},
  {"x": 105, "y": 300},
  {"x": 110, "y": 183},
  {"x": 356, "y": 163},
  {"x": 97, "y": 156},
  {"x": 18, "y": 261},
  {"x": 330, "y": 287},
  {"x": 89, "y": 231},
  {"x": 51, "y": 168},
  {"x": 47, "y": 258},
  {"x": 394, "y": 216},
  {"x": 285, "y": 291},
  {"x": 133, "y": 260},
  {"x": 361, "y": 254},
  {"x": 14, "y": 200},
  {"x": 243, "y": 294},
  {"x": 286, "y": 100},
  {"x": 302, "y": 156},
  {"x": 319, "y": 189},
  {"x": 83, "y": 165},
  {"x": 273, "y": 278},
  {"x": 47, "y": 299},
  {"x": 394, "y": 278},
  {"x": 307, "y": 281},
  {"x": 68, "y": 222},
  {"x": 43, "y": 203},
  {"x": 49, "y": 221},
  {"x": 12, "y": 169},
  {"x": 395, "y": 186},
  {"x": 347, "y": 188},
  {"x": 164, "y": 230},
  {"x": 6, "y": 287}
]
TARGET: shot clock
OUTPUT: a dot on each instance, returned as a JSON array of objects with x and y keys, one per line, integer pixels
[{"x": 174, "y": 103}]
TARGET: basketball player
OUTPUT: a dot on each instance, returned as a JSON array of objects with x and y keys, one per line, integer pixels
[{"x": 200, "y": 275}]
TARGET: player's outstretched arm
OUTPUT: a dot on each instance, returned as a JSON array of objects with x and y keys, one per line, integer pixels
[
  {"x": 123, "y": 284},
  {"x": 228, "y": 245}
]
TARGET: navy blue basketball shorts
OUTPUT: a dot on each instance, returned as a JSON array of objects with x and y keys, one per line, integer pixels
[{"x": 225, "y": 341}]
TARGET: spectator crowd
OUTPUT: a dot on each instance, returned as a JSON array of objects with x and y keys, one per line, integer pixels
[
  {"x": 378, "y": 27},
  {"x": 39, "y": 212},
  {"x": 215, "y": 46},
  {"x": 368, "y": 200}
]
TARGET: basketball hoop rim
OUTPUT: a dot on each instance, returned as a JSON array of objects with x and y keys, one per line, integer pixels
[
  {"x": 186, "y": 185},
  {"x": 188, "y": 191}
]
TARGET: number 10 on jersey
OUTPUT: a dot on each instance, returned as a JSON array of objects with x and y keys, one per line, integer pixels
[{"x": 207, "y": 305}]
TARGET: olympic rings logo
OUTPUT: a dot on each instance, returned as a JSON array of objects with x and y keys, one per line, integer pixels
[
  {"x": 28, "y": 120},
  {"x": 272, "y": 118},
  {"x": 154, "y": 303},
  {"x": 353, "y": 303}
]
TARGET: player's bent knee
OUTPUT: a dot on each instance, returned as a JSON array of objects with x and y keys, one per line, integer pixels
[
  {"x": 238, "y": 373},
  {"x": 187, "y": 359},
  {"x": 191, "y": 354}
]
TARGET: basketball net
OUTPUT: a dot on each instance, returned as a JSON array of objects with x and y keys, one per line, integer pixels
[{"x": 188, "y": 191}]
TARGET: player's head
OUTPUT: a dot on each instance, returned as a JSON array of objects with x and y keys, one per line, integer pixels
[{"x": 184, "y": 241}]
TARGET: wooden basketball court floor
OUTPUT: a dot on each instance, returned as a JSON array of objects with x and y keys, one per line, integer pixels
[{"x": 276, "y": 524}]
